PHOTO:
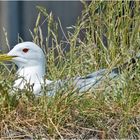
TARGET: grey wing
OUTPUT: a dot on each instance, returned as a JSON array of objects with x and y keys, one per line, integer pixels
[
  {"x": 53, "y": 87},
  {"x": 94, "y": 79},
  {"x": 82, "y": 83}
]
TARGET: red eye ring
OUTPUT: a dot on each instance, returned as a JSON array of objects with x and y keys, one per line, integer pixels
[{"x": 25, "y": 50}]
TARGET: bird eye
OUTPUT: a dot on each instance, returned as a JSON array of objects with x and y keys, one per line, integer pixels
[{"x": 25, "y": 50}]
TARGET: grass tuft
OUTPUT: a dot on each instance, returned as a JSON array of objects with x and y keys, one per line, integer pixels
[{"x": 105, "y": 36}]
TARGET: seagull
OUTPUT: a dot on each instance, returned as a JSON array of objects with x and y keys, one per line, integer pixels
[{"x": 30, "y": 60}]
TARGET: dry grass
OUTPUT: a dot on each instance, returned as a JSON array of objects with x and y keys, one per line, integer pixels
[{"x": 106, "y": 35}]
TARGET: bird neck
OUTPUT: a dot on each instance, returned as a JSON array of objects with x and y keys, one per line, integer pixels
[{"x": 32, "y": 74}]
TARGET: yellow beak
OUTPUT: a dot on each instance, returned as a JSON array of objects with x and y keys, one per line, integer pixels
[{"x": 5, "y": 57}]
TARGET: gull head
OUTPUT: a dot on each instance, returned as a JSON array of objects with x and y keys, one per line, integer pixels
[
  {"x": 30, "y": 60},
  {"x": 25, "y": 54}
]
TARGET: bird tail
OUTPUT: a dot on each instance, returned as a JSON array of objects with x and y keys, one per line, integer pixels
[
  {"x": 129, "y": 65},
  {"x": 132, "y": 63}
]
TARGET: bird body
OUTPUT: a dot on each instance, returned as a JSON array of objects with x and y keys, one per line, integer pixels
[{"x": 31, "y": 61}]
